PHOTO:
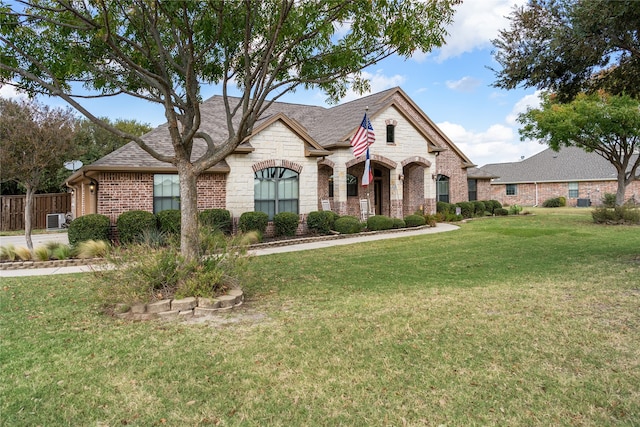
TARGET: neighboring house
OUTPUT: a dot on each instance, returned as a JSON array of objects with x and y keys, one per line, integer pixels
[
  {"x": 582, "y": 178},
  {"x": 296, "y": 157}
]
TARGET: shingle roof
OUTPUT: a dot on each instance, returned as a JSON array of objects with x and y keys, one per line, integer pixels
[
  {"x": 327, "y": 126},
  {"x": 477, "y": 173},
  {"x": 568, "y": 164}
]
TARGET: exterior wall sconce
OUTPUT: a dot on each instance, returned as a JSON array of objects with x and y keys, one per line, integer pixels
[
  {"x": 92, "y": 186},
  {"x": 401, "y": 177}
]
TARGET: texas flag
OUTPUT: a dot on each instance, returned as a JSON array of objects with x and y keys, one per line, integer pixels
[{"x": 367, "y": 177}]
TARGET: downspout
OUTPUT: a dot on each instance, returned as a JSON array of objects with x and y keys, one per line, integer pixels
[{"x": 536, "y": 184}]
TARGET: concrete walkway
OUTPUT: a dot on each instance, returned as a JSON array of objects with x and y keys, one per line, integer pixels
[{"x": 360, "y": 238}]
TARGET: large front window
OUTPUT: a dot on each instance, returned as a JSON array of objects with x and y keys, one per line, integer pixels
[
  {"x": 166, "y": 192},
  {"x": 275, "y": 191}
]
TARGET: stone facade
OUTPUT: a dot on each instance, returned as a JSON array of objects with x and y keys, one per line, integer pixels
[{"x": 404, "y": 169}]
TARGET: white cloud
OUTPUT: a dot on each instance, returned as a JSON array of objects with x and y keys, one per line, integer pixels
[
  {"x": 496, "y": 144},
  {"x": 10, "y": 92},
  {"x": 466, "y": 84},
  {"x": 529, "y": 101},
  {"x": 378, "y": 82},
  {"x": 475, "y": 24}
]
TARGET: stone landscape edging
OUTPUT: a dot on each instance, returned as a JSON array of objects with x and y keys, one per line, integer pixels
[{"x": 182, "y": 308}]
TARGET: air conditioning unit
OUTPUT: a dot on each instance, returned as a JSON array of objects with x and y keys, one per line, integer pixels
[
  {"x": 55, "y": 221},
  {"x": 584, "y": 203}
]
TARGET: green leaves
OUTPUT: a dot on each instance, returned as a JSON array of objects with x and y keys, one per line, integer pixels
[
  {"x": 608, "y": 125},
  {"x": 571, "y": 46}
]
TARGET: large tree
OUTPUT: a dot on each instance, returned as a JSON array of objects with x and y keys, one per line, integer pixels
[
  {"x": 608, "y": 125},
  {"x": 571, "y": 46},
  {"x": 33, "y": 138},
  {"x": 164, "y": 51}
]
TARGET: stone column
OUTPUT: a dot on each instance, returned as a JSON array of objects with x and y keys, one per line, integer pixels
[{"x": 340, "y": 188}]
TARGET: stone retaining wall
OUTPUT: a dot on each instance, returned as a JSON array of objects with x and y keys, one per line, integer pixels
[
  {"x": 56, "y": 263},
  {"x": 182, "y": 308}
]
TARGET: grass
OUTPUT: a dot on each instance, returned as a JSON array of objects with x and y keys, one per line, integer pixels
[{"x": 531, "y": 320}]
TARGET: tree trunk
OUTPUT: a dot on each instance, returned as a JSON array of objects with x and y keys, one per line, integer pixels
[
  {"x": 621, "y": 189},
  {"x": 189, "y": 239},
  {"x": 28, "y": 209}
]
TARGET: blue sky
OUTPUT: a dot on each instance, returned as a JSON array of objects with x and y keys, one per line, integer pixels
[{"x": 452, "y": 85}]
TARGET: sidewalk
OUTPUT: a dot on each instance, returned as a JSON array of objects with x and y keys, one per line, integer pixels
[{"x": 268, "y": 250}]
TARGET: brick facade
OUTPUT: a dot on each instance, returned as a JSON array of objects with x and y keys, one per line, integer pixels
[
  {"x": 404, "y": 168},
  {"x": 529, "y": 194},
  {"x": 126, "y": 191}
]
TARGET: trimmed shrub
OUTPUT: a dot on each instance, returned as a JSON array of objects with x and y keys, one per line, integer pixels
[
  {"x": 551, "y": 203},
  {"x": 415, "y": 220},
  {"x": 445, "y": 208},
  {"x": 169, "y": 221},
  {"x": 478, "y": 208},
  {"x": 132, "y": 224},
  {"x": 216, "y": 219},
  {"x": 466, "y": 209},
  {"x": 321, "y": 222},
  {"x": 286, "y": 223},
  {"x": 348, "y": 225},
  {"x": 253, "y": 221},
  {"x": 88, "y": 227},
  {"x": 399, "y": 223},
  {"x": 492, "y": 205},
  {"x": 501, "y": 212},
  {"x": 563, "y": 201},
  {"x": 379, "y": 222}
]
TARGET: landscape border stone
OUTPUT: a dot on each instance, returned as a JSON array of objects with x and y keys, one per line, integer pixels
[{"x": 184, "y": 308}]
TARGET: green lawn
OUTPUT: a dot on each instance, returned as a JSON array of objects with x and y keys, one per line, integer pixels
[{"x": 530, "y": 320}]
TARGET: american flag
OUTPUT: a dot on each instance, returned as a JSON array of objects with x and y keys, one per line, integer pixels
[{"x": 363, "y": 138}]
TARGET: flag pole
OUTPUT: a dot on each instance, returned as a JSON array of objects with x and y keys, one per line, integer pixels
[{"x": 366, "y": 112}]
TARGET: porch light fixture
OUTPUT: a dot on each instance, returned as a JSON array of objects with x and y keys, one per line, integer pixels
[
  {"x": 401, "y": 177},
  {"x": 92, "y": 186}
]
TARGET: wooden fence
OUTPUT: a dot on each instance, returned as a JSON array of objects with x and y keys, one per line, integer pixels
[{"x": 12, "y": 210}]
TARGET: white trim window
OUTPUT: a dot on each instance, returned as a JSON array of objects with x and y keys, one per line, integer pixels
[
  {"x": 574, "y": 192},
  {"x": 276, "y": 190},
  {"x": 166, "y": 192}
]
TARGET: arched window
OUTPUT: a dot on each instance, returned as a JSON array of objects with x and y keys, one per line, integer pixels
[
  {"x": 275, "y": 190},
  {"x": 442, "y": 188}
]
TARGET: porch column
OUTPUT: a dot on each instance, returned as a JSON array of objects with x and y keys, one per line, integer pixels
[
  {"x": 340, "y": 188},
  {"x": 430, "y": 189},
  {"x": 396, "y": 182}
]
